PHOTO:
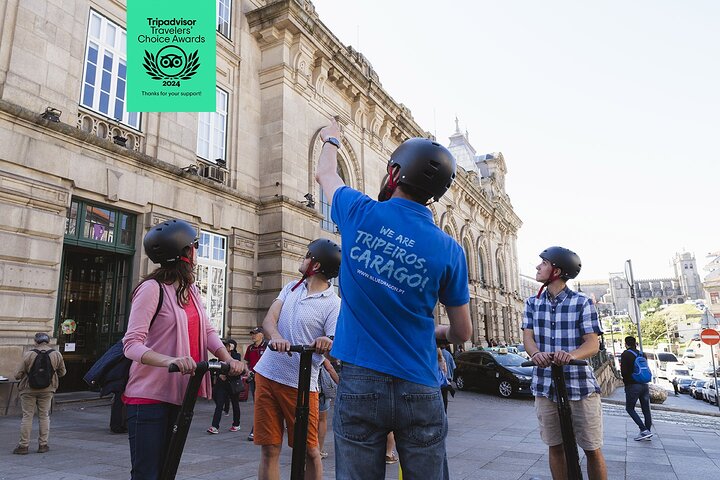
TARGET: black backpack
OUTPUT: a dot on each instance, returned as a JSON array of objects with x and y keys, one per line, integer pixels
[{"x": 42, "y": 371}]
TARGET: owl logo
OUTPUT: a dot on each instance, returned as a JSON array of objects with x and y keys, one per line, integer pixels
[{"x": 171, "y": 62}]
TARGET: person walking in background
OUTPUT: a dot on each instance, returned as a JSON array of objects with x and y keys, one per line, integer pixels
[
  {"x": 392, "y": 277},
  {"x": 181, "y": 334},
  {"x": 443, "y": 378},
  {"x": 38, "y": 373},
  {"x": 252, "y": 355},
  {"x": 304, "y": 313},
  {"x": 561, "y": 325},
  {"x": 635, "y": 390},
  {"x": 449, "y": 361},
  {"x": 224, "y": 391}
]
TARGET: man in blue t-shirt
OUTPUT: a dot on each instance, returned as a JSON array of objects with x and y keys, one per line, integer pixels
[{"x": 396, "y": 266}]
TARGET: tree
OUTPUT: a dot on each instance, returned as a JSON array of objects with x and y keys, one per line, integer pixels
[
  {"x": 648, "y": 307},
  {"x": 651, "y": 328}
]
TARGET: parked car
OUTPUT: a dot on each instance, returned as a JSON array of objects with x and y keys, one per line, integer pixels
[
  {"x": 709, "y": 393},
  {"x": 683, "y": 384},
  {"x": 493, "y": 370},
  {"x": 521, "y": 351},
  {"x": 696, "y": 388},
  {"x": 689, "y": 353},
  {"x": 708, "y": 372}
]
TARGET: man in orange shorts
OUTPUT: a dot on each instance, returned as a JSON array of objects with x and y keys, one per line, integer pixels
[{"x": 305, "y": 313}]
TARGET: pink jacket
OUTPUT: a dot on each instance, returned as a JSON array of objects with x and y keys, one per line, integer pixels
[{"x": 169, "y": 336}]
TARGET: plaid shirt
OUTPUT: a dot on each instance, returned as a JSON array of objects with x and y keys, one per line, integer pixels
[{"x": 559, "y": 324}]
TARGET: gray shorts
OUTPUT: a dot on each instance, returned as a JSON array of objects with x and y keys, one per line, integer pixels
[{"x": 586, "y": 418}]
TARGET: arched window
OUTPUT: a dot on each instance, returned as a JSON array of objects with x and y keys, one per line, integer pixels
[
  {"x": 481, "y": 267},
  {"x": 468, "y": 252},
  {"x": 501, "y": 275},
  {"x": 325, "y": 208}
]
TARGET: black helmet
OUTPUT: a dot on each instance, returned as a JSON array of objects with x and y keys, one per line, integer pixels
[
  {"x": 566, "y": 260},
  {"x": 165, "y": 242},
  {"x": 327, "y": 254},
  {"x": 424, "y": 164}
]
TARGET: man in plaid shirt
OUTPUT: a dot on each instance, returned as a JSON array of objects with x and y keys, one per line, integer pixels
[{"x": 561, "y": 325}]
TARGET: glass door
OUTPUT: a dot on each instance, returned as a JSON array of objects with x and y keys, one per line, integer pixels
[{"x": 92, "y": 308}]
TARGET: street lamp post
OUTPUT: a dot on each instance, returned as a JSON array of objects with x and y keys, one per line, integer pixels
[{"x": 630, "y": 279}]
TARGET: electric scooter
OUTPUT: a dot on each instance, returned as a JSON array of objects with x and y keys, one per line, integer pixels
[
  {"x": 181, "y": 427},
  {"x": 302, "y": 411},
  {"x": 572, "y": 459}
]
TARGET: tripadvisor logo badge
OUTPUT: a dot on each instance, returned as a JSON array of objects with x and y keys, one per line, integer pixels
[{"x": 171, "y": 64}]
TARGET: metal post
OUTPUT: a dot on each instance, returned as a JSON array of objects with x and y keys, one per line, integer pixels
[
  {"x": 717, "y": 397},
  {"x": 630, "y": 279}
]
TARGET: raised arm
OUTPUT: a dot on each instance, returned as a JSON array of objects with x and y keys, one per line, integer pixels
[{"x": 326, "y": 174}]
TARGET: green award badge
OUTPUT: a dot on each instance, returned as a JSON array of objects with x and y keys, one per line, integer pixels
[{"x": 171, "y": 56}]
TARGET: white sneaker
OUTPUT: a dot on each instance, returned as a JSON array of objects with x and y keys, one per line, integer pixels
[{"x": 213, "y": 430}]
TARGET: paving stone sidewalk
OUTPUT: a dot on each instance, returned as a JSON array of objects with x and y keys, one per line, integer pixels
[{"x": 490, "y": 438}]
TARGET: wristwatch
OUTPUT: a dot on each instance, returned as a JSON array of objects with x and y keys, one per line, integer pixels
[{"x": 332, "y": 141}]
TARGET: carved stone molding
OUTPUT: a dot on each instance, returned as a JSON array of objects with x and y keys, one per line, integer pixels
[{"x": 110, "y": 130}]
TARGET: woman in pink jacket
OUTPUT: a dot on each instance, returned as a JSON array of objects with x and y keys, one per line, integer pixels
[{"x": 180, "y": 333}]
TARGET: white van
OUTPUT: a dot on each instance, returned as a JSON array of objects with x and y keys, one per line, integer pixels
[{"x": 660, "y": 362}]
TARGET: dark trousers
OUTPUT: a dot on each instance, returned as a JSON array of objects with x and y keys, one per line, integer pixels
[
  {"x": 633, "y": 393},
  {"x": 221, "y": 393},
  {"x": 149, "y": 433}
]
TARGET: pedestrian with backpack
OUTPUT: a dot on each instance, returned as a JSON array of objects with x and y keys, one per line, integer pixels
[
  {"x": 38, "y": 374},
  {"x": 636, "y": 375}
]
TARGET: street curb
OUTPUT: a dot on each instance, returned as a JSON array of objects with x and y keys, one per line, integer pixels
[{"x": 666, "y": 408}]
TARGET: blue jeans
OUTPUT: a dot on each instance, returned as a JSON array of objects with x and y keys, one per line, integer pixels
[
  {"x": 149, "y": 433},
  {"x": 368, "y": 406},
  {"x": 633, "y": 393}
]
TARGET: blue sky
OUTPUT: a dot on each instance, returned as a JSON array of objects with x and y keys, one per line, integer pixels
[{"x": 607, "y": 113}]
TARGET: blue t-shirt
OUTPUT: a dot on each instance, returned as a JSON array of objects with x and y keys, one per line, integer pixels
[{"x": 396, "y": 265}]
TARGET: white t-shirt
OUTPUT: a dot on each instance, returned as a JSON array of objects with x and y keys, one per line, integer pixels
[{"x": 303, "y": 318}]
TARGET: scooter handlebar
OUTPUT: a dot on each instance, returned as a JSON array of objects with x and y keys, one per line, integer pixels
[
  {"x": 295, "y": 348},
  {"x": 221, "y": 367},
  {"x": 577, "y": 363}
]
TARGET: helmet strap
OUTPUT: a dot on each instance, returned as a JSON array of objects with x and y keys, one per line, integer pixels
[
  {"x": 186, "y": 260},
  {"x": 306, "y": 274},
  {"x": 550, "y": 280},
  {"x": 393, "y": 173}
]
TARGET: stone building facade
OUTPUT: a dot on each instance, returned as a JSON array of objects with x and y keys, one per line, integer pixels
[
  {"x": 711, "y": 285},
  {"x": 82, "y": 180},
  {"x": 686, "y": 285}
]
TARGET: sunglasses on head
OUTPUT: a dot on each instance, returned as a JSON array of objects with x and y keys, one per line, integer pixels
[
  {"x": 308, "y": 254},
  {"x": 195, "y": 244}
]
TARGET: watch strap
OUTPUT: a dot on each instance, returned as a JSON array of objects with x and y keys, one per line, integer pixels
[{"x": 332, "y": 141}]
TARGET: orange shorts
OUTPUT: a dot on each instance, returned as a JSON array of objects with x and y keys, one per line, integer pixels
[{"x": 275, "y": 403}]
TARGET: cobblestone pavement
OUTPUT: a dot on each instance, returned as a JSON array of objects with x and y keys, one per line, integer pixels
[{"x": 490, "y": 438}]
